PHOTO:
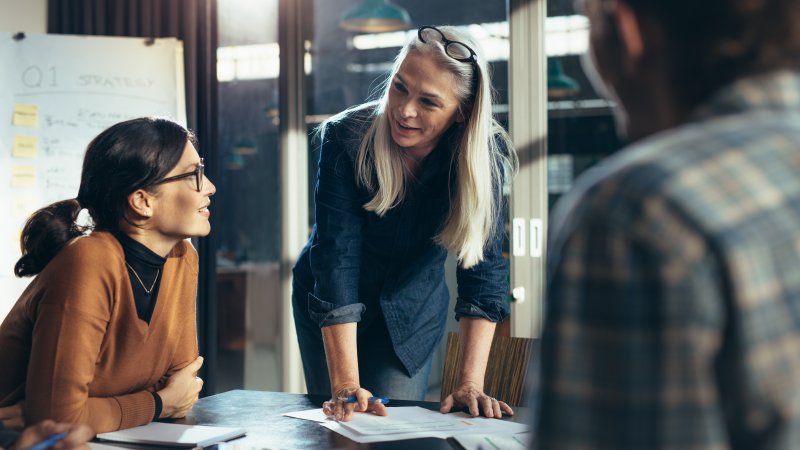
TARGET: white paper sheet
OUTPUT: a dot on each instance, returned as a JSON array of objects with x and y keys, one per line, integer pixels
[
  {"x": 98, "y": 446},
  {"x": 494, "y": 442},
  {"x": 314, "y": 415},
  {"x": 412, "y": 419},
  {"x": 411, "y": 422}
]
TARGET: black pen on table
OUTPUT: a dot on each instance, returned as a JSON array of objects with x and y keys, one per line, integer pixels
[{"x": 48, "y": 442}]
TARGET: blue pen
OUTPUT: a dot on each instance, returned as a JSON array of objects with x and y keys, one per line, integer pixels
[
  {"x": 353, "y": 399},
  {"x": 48, "y": 442}
]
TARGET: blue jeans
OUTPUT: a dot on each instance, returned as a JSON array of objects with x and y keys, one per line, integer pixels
[{"x": 380, "y": 370}]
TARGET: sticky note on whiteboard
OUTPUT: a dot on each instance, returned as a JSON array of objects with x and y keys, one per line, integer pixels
[
  {"x": 25, "y": 146},
  {"x": 26, "y": 115},
  {"x": 22, "y": 206},
  {"x": 23, "y": 176}
]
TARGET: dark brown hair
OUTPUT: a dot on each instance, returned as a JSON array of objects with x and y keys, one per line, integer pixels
[
  {"x": 713, "y": 42},
  {"x": 128, "y": 156}
]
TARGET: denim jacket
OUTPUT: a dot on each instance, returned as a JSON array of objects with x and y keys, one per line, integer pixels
[{"x": 357, "y": 264}]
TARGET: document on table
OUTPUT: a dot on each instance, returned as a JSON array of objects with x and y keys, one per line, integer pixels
[
  {"x": 494, "y": 442},
  {"x": 411, "y": 422}
]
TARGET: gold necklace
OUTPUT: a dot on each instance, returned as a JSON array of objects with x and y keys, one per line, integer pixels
[{"x": 146, "y": 291}]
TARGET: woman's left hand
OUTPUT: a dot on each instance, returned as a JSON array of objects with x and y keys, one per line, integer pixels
[{"x": 472, "y": 397}]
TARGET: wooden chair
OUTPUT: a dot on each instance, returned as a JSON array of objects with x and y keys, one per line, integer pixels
[{"x": 506, "y": 371}]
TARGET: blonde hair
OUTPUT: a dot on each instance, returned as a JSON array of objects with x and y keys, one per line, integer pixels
[{"x": 479, "y": 159}]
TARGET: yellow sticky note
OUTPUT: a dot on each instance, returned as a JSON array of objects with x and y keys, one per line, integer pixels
[
  {"x": 23, "y": 176},
  {"x": 25, "y": 146},
  {"x": 22, "y": 206},
  {"x": 26, "y": 115}
]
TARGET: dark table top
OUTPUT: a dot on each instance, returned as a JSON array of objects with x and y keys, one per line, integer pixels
[{"x": 260, "y": 412}]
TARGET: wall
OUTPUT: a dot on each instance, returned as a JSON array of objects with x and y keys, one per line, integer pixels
[
  {"x": 29, "y": 16},
  {"x": 23, "y": 15}
]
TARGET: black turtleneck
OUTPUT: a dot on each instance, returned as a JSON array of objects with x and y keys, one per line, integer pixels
[{"x": 144, "y": 268}]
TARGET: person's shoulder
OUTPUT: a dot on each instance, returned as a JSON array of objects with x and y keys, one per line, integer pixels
[
  {"x": 624, "y": 187},
  {"x": 185, "y": 252},
  {"x": 94, "y": 250},
  {"x": 613, "y": 191},
  {"x": 85, "y": 271}
]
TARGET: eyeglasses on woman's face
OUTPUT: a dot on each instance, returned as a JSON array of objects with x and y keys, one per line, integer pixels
[
  {"x": 454, "y": 49},
  {"x": 198, "y": 174}
]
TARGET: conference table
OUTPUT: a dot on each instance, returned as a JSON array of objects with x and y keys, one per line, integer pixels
[{"x": 260, "y": 413}]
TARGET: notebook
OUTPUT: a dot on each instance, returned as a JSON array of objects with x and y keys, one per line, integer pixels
[{"x": 171, "y": 434}]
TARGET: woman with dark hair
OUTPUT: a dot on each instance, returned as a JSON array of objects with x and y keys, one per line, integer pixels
[{"x": 106, "y": 333}]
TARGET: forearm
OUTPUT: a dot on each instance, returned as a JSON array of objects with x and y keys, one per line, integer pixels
[
  {"x": 475, "y": 341},
  {"x": 101, "y": 413},
  {"x": 341, "y": 353}
]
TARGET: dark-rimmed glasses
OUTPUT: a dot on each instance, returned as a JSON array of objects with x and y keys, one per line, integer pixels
[
  {"x": 454, "y": 49},
  {"x": 198, "y": 174}
]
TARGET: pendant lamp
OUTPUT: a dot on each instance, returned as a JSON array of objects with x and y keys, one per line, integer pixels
[
  {"x": 558, "y": 83},
  {"x": 375, "y": 16}
]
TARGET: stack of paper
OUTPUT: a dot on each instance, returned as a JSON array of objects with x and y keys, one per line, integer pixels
[{"x": 412, "y": 422}]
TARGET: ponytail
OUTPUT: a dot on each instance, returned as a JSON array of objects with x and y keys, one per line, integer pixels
[{"x": 46, "y": 232}]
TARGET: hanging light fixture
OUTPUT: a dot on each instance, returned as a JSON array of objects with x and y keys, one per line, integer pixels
[
  {"x": 233, "y": 161},
  {"x": 558, "y": 83},
  {"x": 245, "y": 146},
  {"x": 375, "y": 16}
]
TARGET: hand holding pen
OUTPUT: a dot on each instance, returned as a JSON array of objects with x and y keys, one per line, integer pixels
[
  {"x": 51, "y": 435},
  {"x": 352, "y": 398}
]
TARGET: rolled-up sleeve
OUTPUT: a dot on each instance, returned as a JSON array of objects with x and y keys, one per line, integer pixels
[
  {"x": 483, "y": 289},
  {"x": 335, "y": 253}
]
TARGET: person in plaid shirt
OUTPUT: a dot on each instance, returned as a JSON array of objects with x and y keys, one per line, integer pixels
[{"x": 672, "y": 318}]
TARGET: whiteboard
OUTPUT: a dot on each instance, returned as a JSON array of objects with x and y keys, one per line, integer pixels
[{"x": 57, "y": 92}]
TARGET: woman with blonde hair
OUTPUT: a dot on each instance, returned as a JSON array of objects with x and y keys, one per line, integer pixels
[{"x": 402, "y": 181}]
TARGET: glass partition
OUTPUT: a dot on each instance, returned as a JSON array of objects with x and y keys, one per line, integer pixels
[
  {"x": 580, "y": 123},
  {"x": 248, "y": 198}
]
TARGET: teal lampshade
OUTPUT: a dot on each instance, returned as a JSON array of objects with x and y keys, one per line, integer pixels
[
  {"x": 558, "y": 83},
  {"x": 234, "y": 161},
  {"x": 245, "y": 146},
  {"x": 375, "y": 16}
]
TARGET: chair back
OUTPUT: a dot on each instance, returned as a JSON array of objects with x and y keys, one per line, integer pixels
[{"x": 506, "y": 370}]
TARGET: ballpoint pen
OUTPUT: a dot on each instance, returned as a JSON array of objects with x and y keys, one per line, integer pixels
[
  {"x": 48, "y": 442},
  {"x": 353, "y": 399}
]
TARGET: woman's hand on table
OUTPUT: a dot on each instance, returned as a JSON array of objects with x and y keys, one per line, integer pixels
[
  {"x": 472, "y": 397},
  {"x": 340, "y": 409}
]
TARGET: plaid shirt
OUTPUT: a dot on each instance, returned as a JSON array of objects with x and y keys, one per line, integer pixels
[{"x": 673, "y": 309}]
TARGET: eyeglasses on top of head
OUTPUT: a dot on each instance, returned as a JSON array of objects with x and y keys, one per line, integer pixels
[
  {"x": 454, "y": 49},
  {"x": 198, "y": 174}
]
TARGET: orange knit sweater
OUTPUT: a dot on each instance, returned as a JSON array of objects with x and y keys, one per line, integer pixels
[{"x": 74, "y": 348}]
